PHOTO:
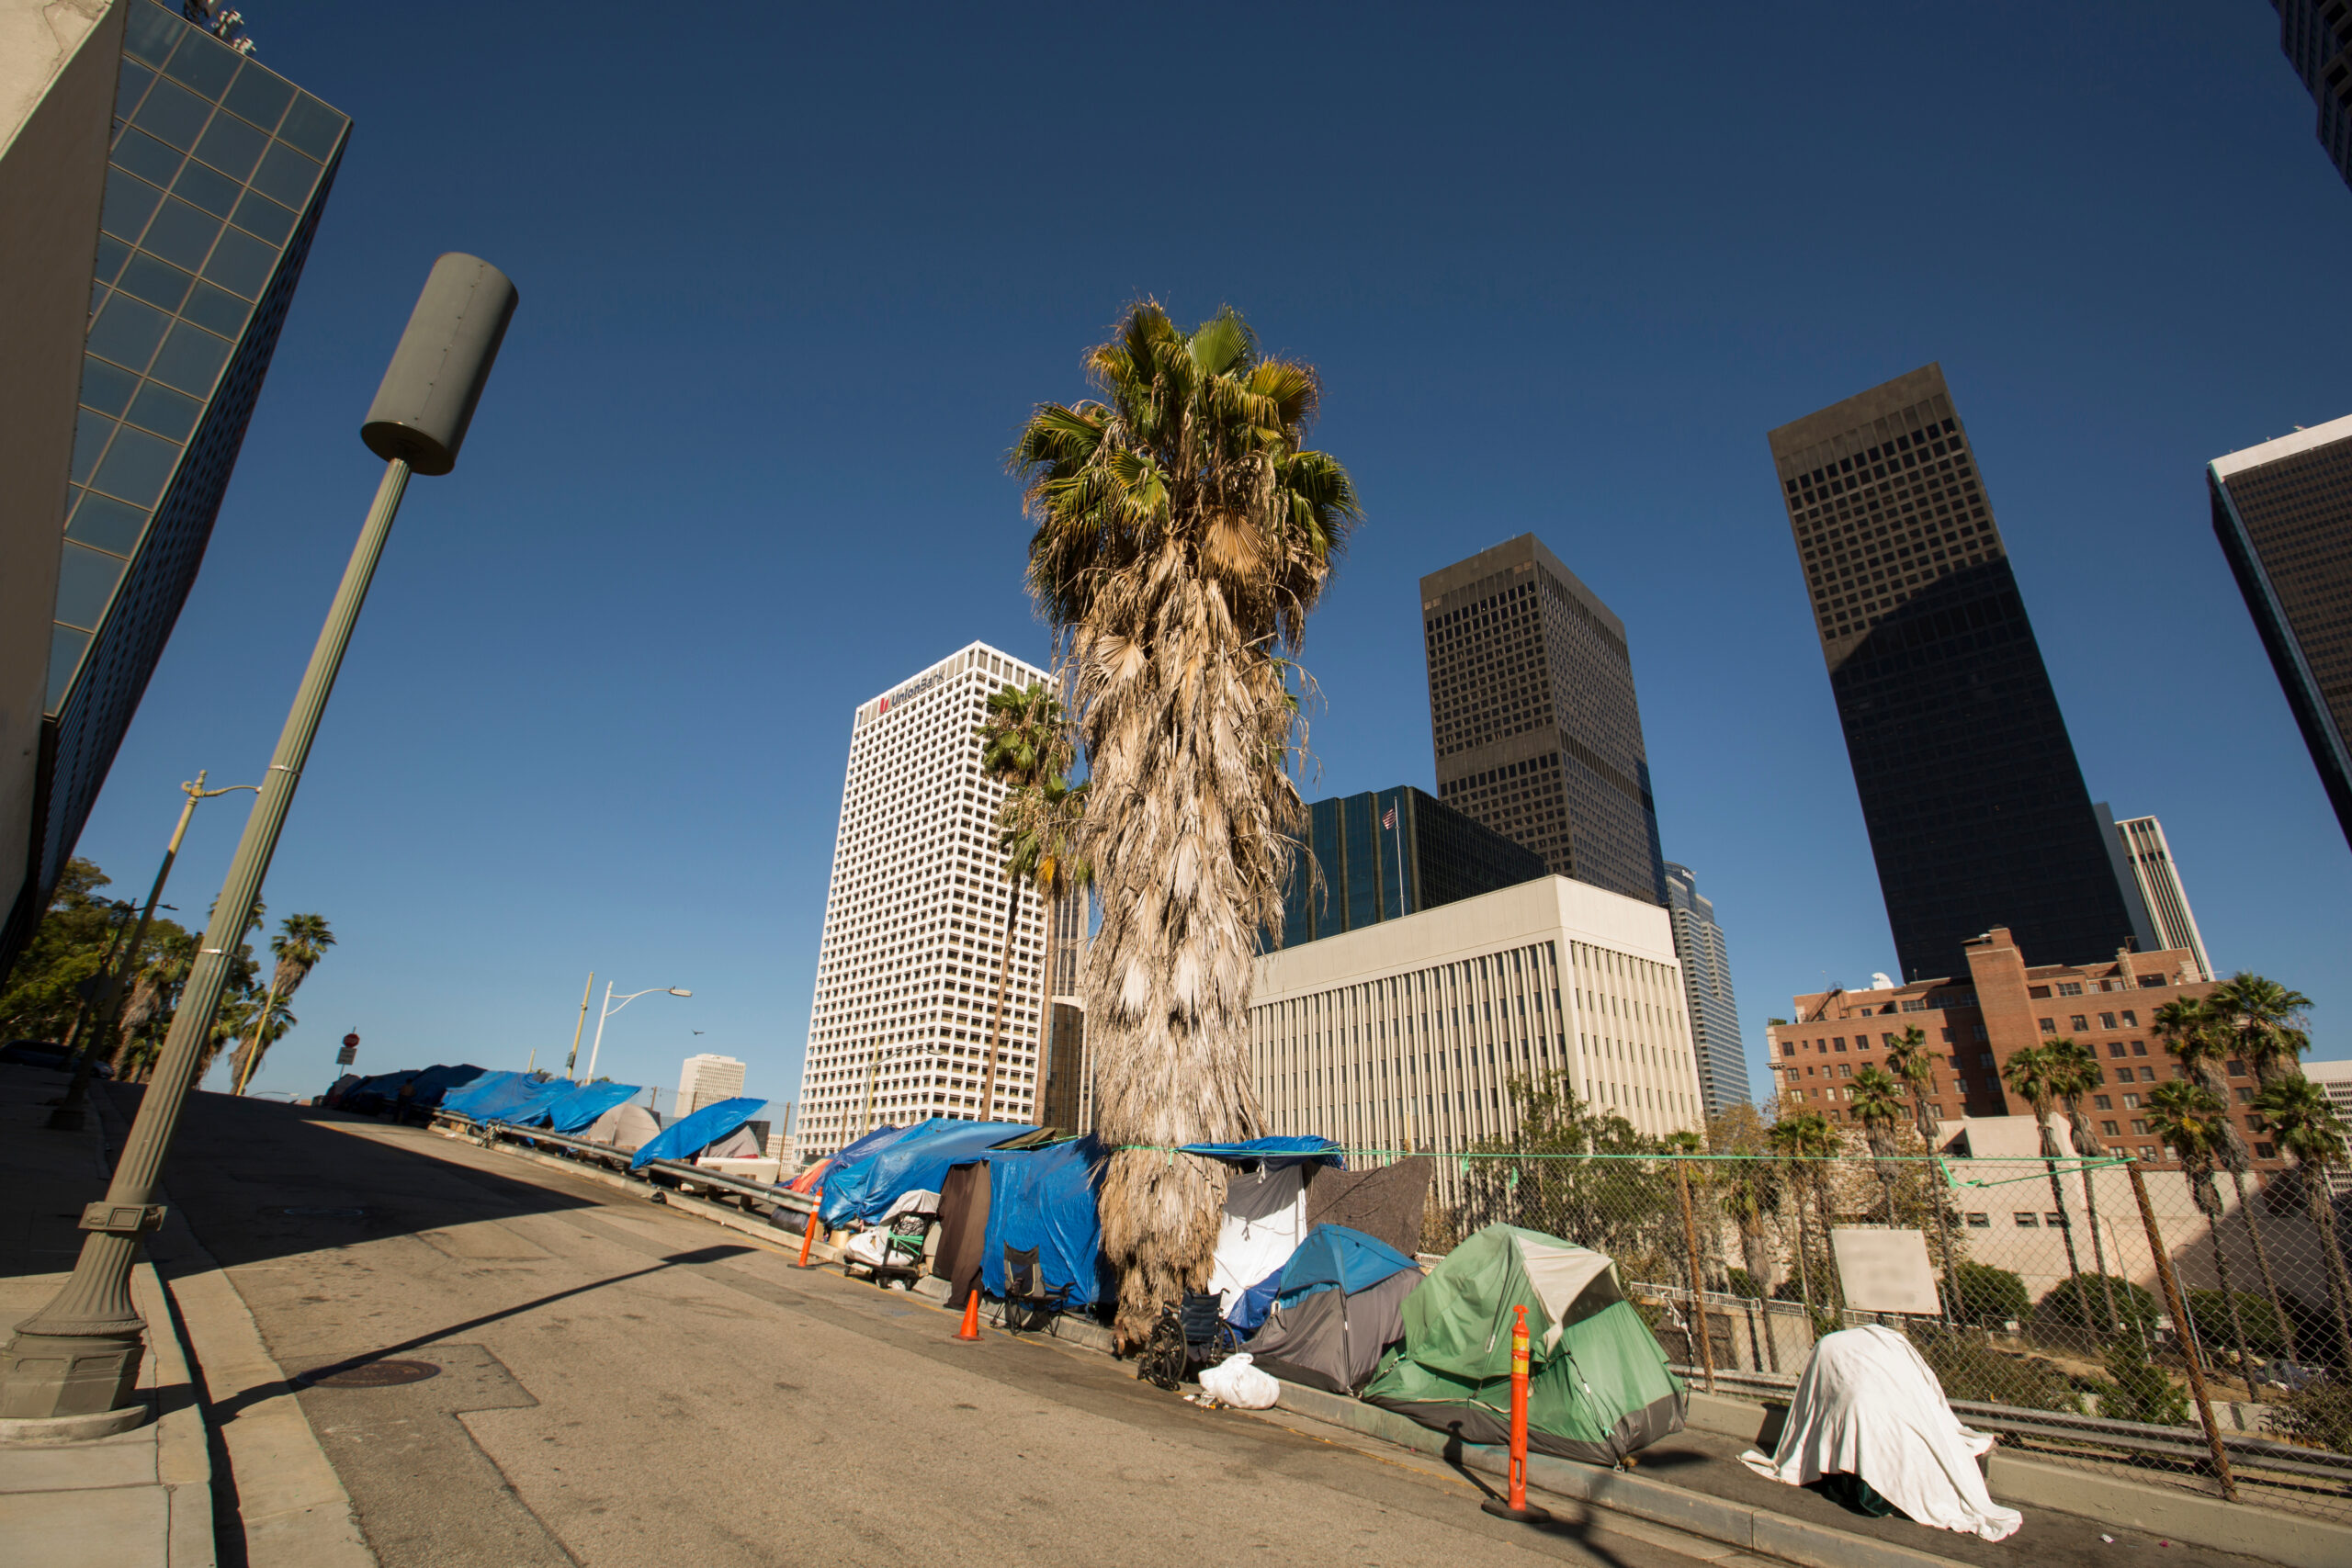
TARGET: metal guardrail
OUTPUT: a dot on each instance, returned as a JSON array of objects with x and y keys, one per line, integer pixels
[{"x": 799, "y": 1202}]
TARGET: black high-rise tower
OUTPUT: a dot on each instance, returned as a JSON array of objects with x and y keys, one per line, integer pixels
[{"x": 1975, "y": 803}]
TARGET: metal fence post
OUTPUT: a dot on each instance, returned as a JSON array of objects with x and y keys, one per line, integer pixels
[
  {"x": 1698, "y": 1293},
  {"x": 2182, "y": 1328}
]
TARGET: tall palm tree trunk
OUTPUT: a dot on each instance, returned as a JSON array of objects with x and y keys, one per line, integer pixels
[
  {"x": 2098, "y": 1251},
  {"x": 996, "y": 1014},
  {"x": 1804, "y": 1272},
  {"x": 2074, "y": 1258},
  {"x": 2229, "y": 1299},
  {"x": 2262, "y": 1266},
  {"x": 1751, "y": 1251},
  {"x": 2339, "y": 1289}
]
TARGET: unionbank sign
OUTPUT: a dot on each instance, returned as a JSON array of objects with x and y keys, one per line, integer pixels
[{"x": 910, "y": 691}]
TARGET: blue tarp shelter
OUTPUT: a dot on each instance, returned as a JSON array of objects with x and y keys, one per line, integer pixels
[
  {"x": 1273, "y": 1153},
  {"x": 580, "y": 1106},
  {"x": 490, "y": 1094},
  {"x": 860, "y": 1190},
  {"x": 531, "y": 1111},
  {"x": 1046, "y": 1199},
  {"x": 689, "y": 1135}
]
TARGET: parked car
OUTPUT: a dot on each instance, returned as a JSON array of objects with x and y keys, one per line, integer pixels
[{"x": 46, "y": 1054}]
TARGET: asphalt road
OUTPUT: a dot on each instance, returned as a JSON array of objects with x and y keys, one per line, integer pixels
[{"x": 621, "y": 1384}]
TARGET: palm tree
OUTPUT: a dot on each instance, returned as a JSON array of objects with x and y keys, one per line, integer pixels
[
  {"x": 1752, "y": 1195},
  {"x": 154, "y": 991},
  {"x": 2307, "y": 1126},
  {"x": 301, "y": 940},
  {"x": 2193, "y": 1122},
  {"x": 2032, "y": 1076},
  {"x": 1909, "y": 1059},
  {"x": 1037, "y": 837},
  {"x": 1807, "y": 1142},
  {"x": 1023, "y": 742},
  {"x": 2074, "y": 1071},
  {"x": 2258, "y": 1015},
  {"x": 1183, "y": 534},
  {"x": 1878, "y": 1105},
  {"x": 2199, "y": 1035}
]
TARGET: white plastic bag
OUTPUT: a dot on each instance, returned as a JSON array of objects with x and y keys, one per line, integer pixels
[{"x": 1236, "y": 1382}]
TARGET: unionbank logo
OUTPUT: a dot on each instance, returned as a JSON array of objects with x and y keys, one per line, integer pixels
[{"x": 910, "y": 691}]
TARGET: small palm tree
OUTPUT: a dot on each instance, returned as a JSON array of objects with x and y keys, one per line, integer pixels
[
  {"x": 1037, "y": 835},
  {"x": 2199, "y": 1035},
  {"x": 301, "y": 940},
  {"x": 1910, "y": 1060},
  {"x": 1023, "y": 743},
  {"x": 1807, "y": 1142},
  {"x": 2193, "y": 1122},
  {"x": 154, "y": 992},
  {"x": 1184, "y": 532},
  {"x": 2307, "y": 1126},
  {"x": 2258, "y": 1015},
  {"x": 1752, "y": 1194},
  {"x": 2033, "y": 1076},
  {"x": 2074, "y": 1071},
  {"x": 1878, "y": 1105}
]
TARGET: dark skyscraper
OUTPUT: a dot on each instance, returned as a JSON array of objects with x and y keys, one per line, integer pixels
[
  {"x": 1390, "y": 852},
  {"x": 1532, "y": 715},
  {"x": 1975, "y": 803},
  {"x": 218, "y": 170},
  {"x": 2316, "y": 37},
  {"x": 2283, "y": 511}
]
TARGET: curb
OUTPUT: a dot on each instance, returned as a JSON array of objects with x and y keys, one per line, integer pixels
[{"x": 1693, "y": 1513}]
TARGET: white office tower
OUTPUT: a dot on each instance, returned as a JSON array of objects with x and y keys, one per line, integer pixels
[
  {"x": 2157, "y": 880},
  {"x": 1706, "y": 982},
  {"x": 2335, "y": 1079},
  {"x": 708, "y": 1080},
  {"x": 915, "y": 922}
]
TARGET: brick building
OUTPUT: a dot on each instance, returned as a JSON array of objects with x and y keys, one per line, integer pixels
[{"x": 1977, "y": 1022}]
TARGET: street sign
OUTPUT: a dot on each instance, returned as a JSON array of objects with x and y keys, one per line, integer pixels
[{"x": 350, "y": 1052}]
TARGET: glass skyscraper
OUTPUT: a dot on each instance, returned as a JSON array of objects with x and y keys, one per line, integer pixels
[
  {"x": 1532, "y": 716},
  {"x": 218, "y": 172},
  {"x": 1389, "y": 853},
  {"x": 1706, "y": 982},
  {"x": 2316, "y": 37},
  {"x": 1975, "y": 803}
]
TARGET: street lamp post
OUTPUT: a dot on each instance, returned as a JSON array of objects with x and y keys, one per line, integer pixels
[
  {"x": 609, "y": 1011},
  {"x": 78, "y": 1357},
  {"x": 67, "y": 1117}
]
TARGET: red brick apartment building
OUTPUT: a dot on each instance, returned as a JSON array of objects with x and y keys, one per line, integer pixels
[{"x": 1977, "y": 1022}]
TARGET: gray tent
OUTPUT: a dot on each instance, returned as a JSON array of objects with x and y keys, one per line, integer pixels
[
  {"x": 1342, "y": 1302},
  {"x": 624, "y": 1127}
]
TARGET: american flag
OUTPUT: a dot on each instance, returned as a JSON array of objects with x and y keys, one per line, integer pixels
[{"x": 1389, "y": 820}]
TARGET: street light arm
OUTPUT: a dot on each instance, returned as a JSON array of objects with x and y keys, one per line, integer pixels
[{"x": 633, "y": 996}]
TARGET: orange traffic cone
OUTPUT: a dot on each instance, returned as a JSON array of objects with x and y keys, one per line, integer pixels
[
  {"x": 971, "y": 1329},
  {"x": 808, "y": 1237}
]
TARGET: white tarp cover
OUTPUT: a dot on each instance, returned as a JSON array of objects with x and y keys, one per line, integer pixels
[
  {"x": 1560, "y": 1275},
  {"x": 1869, "y": 1406},
  {"x": 1265, "y": 1219}
]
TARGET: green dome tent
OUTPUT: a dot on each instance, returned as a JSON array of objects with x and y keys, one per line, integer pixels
[{"x": 1597, "y": 1384}]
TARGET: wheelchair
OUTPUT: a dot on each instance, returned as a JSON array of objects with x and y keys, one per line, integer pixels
[{"x": 1193, "y": 1334}]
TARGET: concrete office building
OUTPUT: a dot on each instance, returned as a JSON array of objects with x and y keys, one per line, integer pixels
[
  {"x": 1706, "y": 984},
  {"x": 1068, "y": 1099},
  {"x": 1975, "y": 1021},
  {"x": 218, "y": 172},
  {"x": 2335, "y": 1078},
  {"x": 2316, "y": 37},
  {"x": 2153, "y": 895},
  {"x": 1408, "y": 1033},
  {"x": 915, "y": 920},
  {"x": 705, "y": 1079},
  {"x": 1388, "y": 852},
  {"x": 57, "y": 77},
  {"x": 1532, "y": 716},
  {"x": 2283, "y": 513},
  {"x": 1970, "y": 790}
]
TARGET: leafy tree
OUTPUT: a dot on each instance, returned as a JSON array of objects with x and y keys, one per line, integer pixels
[
  {"x": 2307, "y": 1127},
  {"x": 2061, "y": 1308},
  {"x": 2073, "y": 1070},
  {"x": 2194, "y": 1123},
  {"x": 2034, "y": 1075},
  {"x": 2199, "y": 1035},
  {"x": 68, "y": 947},
  {"x": 2140, "y": 1392},
  {"x": 1617, "y": 1205},
  {"x": 2217, "y": 1316},
  {"x": 1988, "y": 1297},
  {"x": 1184, "y": 531}
]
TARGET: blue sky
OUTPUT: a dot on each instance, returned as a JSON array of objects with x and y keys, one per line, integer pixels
[{"x": 790, "y": 280}]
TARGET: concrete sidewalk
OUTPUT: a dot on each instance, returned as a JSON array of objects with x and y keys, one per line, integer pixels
[{"x": 141, "y": 1497}]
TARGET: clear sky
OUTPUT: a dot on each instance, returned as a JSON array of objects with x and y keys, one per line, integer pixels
[{"x": 791, "y": 277}]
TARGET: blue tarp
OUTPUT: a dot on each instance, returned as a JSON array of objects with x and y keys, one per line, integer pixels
[
  {"x": 1270, "y": 1151},
  {"x": 689, "y": 1135},
  {"x": 1250, "y": 1308},
  {"x": 491, "y": 1092},
  {"x": 860, "y": 1190},
  {"x": 570, "y": 1112},
  {"x": 531, "y": 1109},
  {"x": 1046, "y": 1199},
  {"x": 1334, "y": 1255}
]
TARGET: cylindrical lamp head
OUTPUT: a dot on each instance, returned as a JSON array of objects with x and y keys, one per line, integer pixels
[{"x": 437, "y": 373}]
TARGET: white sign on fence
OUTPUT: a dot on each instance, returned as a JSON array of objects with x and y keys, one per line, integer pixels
[{"x": 1886, "y": 1271}]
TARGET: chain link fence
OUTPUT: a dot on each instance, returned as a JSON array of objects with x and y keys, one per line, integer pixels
[{"x": 2088, "y": 1312}]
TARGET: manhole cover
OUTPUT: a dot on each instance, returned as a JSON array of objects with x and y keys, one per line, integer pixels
[
  {"x": 314, "y": 1212},
  {"x": 371, "y": 1374}
]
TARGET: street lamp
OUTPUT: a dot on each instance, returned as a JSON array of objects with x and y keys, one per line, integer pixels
[
  {"x": 78, "y": 1358},
  {"x": 609, "y": 1011}
]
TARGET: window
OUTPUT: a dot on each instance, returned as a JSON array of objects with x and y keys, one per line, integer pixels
[
  {"x": 2140, "y": 1126},
  {"x": 2026, "y": 1222},
  {"x": 2237, "y": 1069},
  {"x": 2104, "y": 1102},
  {"x": 2107, "y": 1020},
  {"x": 2070, "y": 988},
  {"x": 2265, "y": 1151},
  {"x": 2130, "y": 1019},
  {"x": 2048, "y": 1025},
  {"x": 2246, "y": 1097},
  {"x": 2131, "y": 1102},
  {"x": 1980, "y": 1222},
  {"x": 2110, "y": 1128},
  {"x": 2056, "y": 1222},
  {"x": 2138, "y": 1047},
  {"x": 1788, "y": 1047},
  {"x": 1986, "y": 1060},
  {"x": 2147, "y": 1151},
  {"x": 2077, "y": 1022}
]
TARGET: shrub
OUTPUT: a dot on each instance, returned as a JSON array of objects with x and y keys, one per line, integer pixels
[
  {"x": 2141, "y": 1391},
  {"x": 2061, "y": 1308},
  {"x": 1987, "y": 1297},
  {"x": 2212, "y": 1316},
  {"x": 1970, "y": 1369},
  {"x": 2320, "y": 1415},
  {"x": 1743, "y": 1283}
]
